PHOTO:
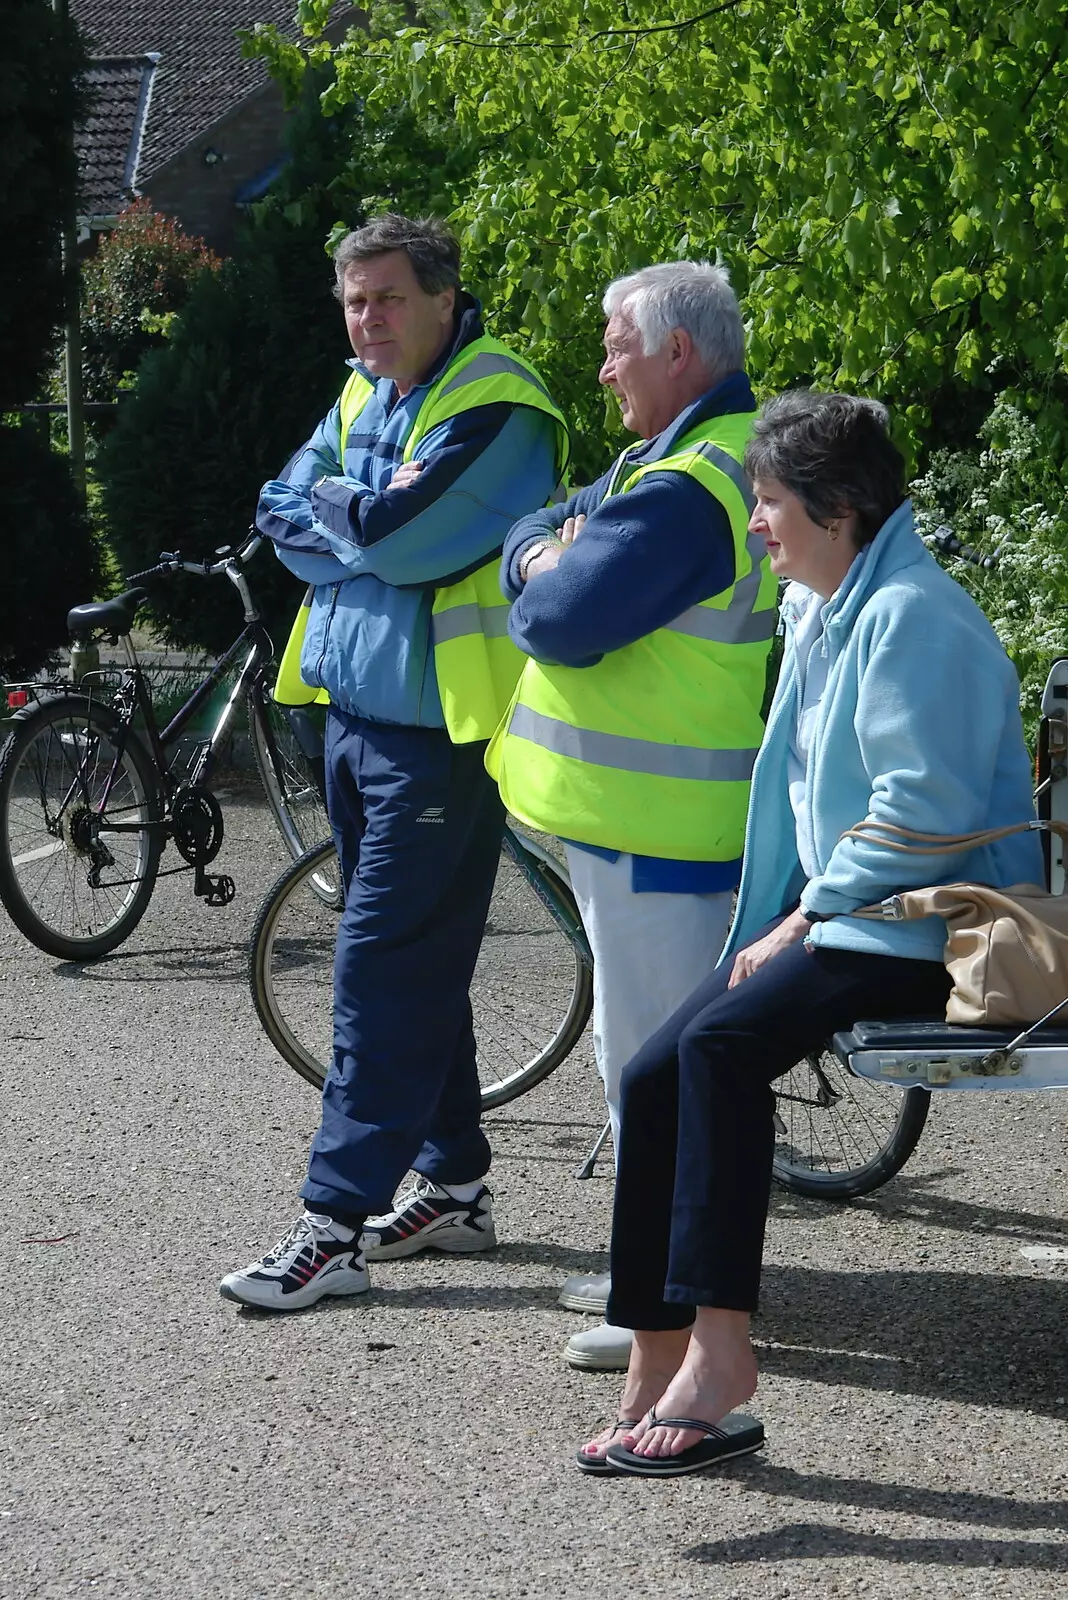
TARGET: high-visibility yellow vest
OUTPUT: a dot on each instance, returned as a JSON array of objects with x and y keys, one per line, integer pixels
[
  {"x": 651, "y": 750},
  {"x": 476, "y": 663}
]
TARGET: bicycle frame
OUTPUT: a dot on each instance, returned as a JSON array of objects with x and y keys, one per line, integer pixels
[
  {"x": 529, "y": 857},
  {"x": 253, "y": 638}
]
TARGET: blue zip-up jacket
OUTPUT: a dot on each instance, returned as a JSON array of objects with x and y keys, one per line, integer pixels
[
  {"x": 376, "y": 555},
  {"x": 919, "y": 725},
  {"x": 641, "y": 559}
]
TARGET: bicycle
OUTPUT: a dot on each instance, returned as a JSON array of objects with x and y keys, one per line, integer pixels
[
  {"x": 862, "y": 1133},
  {"x": 87, "y": 804},
  {"x": 533, "y": 926}
]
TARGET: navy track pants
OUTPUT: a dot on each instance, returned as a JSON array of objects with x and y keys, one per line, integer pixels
[{"x": 418, "y": 825}]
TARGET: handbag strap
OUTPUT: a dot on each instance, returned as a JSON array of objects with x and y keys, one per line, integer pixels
[{"x": 890, "y": 836}]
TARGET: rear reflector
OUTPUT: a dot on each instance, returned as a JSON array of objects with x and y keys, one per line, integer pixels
[{"x": 17, "y": 698}]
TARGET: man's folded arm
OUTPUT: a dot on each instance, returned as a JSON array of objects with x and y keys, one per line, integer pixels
[
  {"x": 284, "y": 512},
  {"x": 480, "y": 471},
  {"x": 544, "y": 523},
  {"x": 641, "y": 560}
]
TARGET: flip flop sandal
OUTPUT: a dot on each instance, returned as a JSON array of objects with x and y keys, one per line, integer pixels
[
  {"x": 598, "y": 1465},
  {"x": 736, "y": 1435}
]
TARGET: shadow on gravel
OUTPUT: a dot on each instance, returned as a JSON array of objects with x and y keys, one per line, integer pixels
[
  {"x": 134, "y": 966},
  {"x": 817, "y": 1541},
  {"x": 969, "y": 1337},
  {"x": 427, "y": 1297},
  {"x": 947, "y": 1505},
  {"x": 907, "y": 1199}
]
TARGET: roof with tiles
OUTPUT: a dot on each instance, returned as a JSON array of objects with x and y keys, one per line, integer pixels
[
  {"x": 201, "y": 74},
  {"x": 109, "y": 140}
]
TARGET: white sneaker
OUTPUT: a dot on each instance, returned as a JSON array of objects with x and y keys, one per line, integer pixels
[
  {"x": 428, "y": 1217},
  {"x": 600, "y": 1349},
  {"x": 309, "y": 1262},
  {"x": 586, "y": 1292}
]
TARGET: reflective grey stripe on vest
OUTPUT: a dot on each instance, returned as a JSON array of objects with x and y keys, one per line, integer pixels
[
  {"x": 631, "y": 755},
  {"x": 489, "y": 365},
  {"x": 461, "y": 622},
  {"x": 738, "y": 623},
  {"x": 712, "y": 453},
  {"x": 730, "y": 469}
]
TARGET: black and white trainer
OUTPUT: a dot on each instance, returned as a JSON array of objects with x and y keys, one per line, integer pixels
[
  {"x": 428, "y": 1217},
  {"x": 309, "y": 1262}
]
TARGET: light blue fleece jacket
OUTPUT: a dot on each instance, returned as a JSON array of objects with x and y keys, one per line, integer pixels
[{"x": 919, "y": 725}]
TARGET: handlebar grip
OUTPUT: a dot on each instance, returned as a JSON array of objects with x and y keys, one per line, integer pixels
[
  {"x": 948, "y": 543},
  {"x": 149, "y": 572}
]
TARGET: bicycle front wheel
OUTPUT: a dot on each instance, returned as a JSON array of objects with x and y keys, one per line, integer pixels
[
  {"x": 523, "y": 1030},
  {"x": 840, "y": 1136},
  {"x": 288, "y": 747},
  {"x": 76, "y": 870}
]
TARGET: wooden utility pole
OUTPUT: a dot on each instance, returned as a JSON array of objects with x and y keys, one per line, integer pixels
[{"x": 73, "y": 346}]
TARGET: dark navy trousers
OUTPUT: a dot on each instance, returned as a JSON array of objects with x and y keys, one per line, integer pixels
[
  {"x": 418, "y": 825},
  {"x": 693, "y": 1177}
]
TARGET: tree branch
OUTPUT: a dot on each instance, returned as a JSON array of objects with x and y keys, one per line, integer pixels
[{"x": 513, "y": 42}]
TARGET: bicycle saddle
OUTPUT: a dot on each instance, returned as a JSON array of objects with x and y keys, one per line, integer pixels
[{"x": 114, "y": 616}]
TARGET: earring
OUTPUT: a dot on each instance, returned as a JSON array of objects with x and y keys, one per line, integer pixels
[{"x": 832, "y": 530}]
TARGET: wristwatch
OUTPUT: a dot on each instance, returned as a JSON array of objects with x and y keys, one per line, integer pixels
[
  {"x": 530, "y": 553},
  {"x": 815, "y": 916}
]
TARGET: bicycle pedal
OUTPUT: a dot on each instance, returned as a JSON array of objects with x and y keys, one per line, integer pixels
[{"x": 220, "y": 890}]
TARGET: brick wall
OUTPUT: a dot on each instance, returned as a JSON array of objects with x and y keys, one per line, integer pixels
[{"x": 199, "y": 192}]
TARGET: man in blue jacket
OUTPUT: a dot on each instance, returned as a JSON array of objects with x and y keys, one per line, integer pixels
[
  {"x": 647, "y": 612},
  {"x": 396, "y": 510}
]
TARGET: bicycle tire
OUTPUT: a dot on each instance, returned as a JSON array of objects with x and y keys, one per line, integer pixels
[
  {"x": 848, "y": 1148},
  {"x": 52, "y": 770},
  {"x": 294, "y": 783},
  {"x": 291, "y": 978}
]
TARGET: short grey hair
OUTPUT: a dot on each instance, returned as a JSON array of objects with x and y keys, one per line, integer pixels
[
  {"x": 429, "y": 245},
  {"x": 834, "y": 452},
  {"x": 694, "y": 295}
]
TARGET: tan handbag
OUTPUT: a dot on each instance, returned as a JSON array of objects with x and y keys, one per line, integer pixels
[{"x": 1007, "y": 949}]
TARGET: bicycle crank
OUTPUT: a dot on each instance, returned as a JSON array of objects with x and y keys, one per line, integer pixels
[{"x": 197, "y": 824}]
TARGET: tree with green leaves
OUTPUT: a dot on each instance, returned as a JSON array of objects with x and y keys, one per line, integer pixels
[
  {"x": 888, "y": 185},
  {"x": 48, "y": 559},
  {"x": 42, "y": 96}
]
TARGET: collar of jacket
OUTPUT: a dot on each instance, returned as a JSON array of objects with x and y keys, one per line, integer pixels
[
  {"x": 728, "y": 397},
  {"x": 468, "y": 328},
  {"x": 896, "y": 547}
]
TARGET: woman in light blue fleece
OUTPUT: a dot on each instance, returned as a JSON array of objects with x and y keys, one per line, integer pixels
[{"x": 896, "y": 702}]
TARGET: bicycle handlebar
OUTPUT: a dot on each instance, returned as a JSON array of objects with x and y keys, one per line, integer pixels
[
  {"x": 946, "y": 541},
  {"x": 171, "y": 561}
]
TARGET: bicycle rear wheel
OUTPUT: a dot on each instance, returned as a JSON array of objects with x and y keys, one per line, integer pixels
[
  {"x": 71, "y": 884},
  {"x": 839, "y": 1136},
  {"x": 288, "y": 747},
  {"x": 530, "y": 996}
]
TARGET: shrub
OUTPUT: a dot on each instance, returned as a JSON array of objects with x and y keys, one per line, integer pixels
[
  {"x": 49, "y": 560},
  {"x": 1008, "y": 498},
  {"x": 144, "y": 270}
]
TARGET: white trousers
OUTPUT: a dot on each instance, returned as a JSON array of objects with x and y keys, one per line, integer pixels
[{"x": 650, "y": 951}]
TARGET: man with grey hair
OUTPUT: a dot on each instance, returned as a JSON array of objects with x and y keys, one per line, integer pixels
[{"x": 647, "y": 613}]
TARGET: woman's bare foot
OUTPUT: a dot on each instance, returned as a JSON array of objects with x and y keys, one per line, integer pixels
[
  {"x": 655, "y": 1358},
  {"x": 719, "y": 1373}
]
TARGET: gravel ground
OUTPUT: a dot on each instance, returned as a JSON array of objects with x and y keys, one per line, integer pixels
[{"x": 159, "y": 1442}]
